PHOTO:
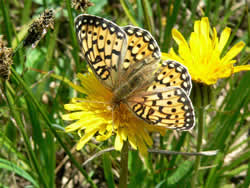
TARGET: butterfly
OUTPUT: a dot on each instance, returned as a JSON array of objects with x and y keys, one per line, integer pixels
[{"x": 127, "y": 61}]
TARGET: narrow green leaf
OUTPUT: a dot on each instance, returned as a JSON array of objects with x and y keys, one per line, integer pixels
[
  {"x": 4, "y": 164},
  {"x": 170, "y": 23},
  {"x": 107, "y": 167},
  {"x": 182, "y": 171},
  {"x": 128, "y": 13}
]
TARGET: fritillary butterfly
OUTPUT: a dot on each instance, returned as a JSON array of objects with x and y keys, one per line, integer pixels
[{"x": 127, "y": 61}]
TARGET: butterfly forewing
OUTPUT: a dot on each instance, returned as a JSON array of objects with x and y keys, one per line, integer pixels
[
  {"x": 171, "y": 74},
  {"x": 141, "y": 47},
  {"x": 140, "y": 61},
  {"x": 169, "y": 107},
  {"x": 104, "y": 45}
]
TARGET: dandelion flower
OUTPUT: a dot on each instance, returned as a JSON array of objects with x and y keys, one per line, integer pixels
[
  {"x": 94, "y": 117},
  {"x": 202, "y": 54}
]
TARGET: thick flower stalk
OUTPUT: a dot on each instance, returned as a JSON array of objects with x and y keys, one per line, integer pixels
[
  {"x": 94, "y": 117},
  {"x": 202, "y": 55}
]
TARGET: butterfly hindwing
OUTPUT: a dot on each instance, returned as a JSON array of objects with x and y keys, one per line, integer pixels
[
  {"x": 169, "y": 107},
  {"x": 104, "y": 45}
]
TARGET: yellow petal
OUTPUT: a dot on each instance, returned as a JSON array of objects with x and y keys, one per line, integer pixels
[
  {"x": 171, "y": 56},
  {"x": 85, "y": 139},
  {"x": 73, "y": 116},
  {"x": 104, "y": 136},
  {"x": 179, "y": 39},
  {"x": 74, "y": 126},
  {"x": 235, "y": 50},
  {"x": 146, "y": 137},
  {"x": 215, "y": 39},
  {"x": 118, "y": 141},
  {"x": 241, "y": 68},
  {"x": 197, "y": 27},
  {"x": 132, "y": 141},
  {"x": 224, "y": 38},
  {"x": 142, "y": 147},
  {"x": 73, "y": 107},
  {"x": 205, "y": 27}
]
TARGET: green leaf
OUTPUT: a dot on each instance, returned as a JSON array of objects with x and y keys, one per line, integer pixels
[
  {"x": 182, "y": 171},
  {"x": 137, "y": 171},
  {"x": 4, "y": 164},
  {"x": 98, "y": 7},
  {"x": 107, "y": 167}
]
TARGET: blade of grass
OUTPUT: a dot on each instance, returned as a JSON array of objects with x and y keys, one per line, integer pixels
[
  {"x": 139, "y": 12},
  {"x": 51, "y": 128},
  {"x": 247, "y": 177},
  {"x": 148, "y": 15},
  {"x": 174, "y": 157},
  {"x": 45, "y": 5},
  {"x": 128, "y": 13},
  {"x": 216, "y": 16},
  {"x": 25, "y": 136},
  {"x": 180, "y": 173},
  {"x": 7, "y": 22},
  {"x": 170, "y": 23},
  {"x": 44, "y": 144},
  {"x": 4, "y": 164},
  {"x": 73, "y": 35},
  {"x": 236, "y": 171},
  {"x": 248, "y": 22},
  {"x": 235, "y": 101},
  {"x": 236, "y": 28},
  {"x": 235, "y": 163},
  {"x": 107, "y": 167},
  {"x": 159, "y": 17},
  {"x": 26, "y": 11},
  {"x": 208, "y": 8}
]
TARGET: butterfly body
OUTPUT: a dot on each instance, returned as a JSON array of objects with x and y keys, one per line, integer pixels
[{"x": 126, "y": 60}]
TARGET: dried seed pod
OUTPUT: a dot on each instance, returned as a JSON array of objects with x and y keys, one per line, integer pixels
[
  {"x": 5, "y": 61},
  {"x": 39, "y": 28},
  {"x": 81, "y": 4}
]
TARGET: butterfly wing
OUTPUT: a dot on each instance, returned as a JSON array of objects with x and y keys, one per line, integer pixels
[
  {"x": 169, "y": 108},
  {"x": 104, "y": 45},
  {"x": 141, "y": 59},
  {"x": 142, "y": 48},
  {"x": 172, "y": 73},
  {"x": 165, "y": 102}
]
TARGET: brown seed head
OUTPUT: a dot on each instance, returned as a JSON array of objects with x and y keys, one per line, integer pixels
[
  {"x": 5, "y": 62},
  {"x": 81, "y": 4}
]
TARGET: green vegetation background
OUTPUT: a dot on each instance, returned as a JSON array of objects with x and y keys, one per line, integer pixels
[{"x": 36, "y": 152}]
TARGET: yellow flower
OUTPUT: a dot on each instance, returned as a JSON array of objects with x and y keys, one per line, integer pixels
[
  {"x": 94, "y": 117},
  {"x": 202, "y": 55}
]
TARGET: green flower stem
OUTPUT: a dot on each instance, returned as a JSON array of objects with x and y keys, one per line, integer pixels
[
  {"x": 200, "y": 102},
  {"x": 31, "y": 154},
  {"x": 124, "y": 166},
  {"x": 128, "y": 13},
  {"x": 199, "y": 142},
  {"x": 49, "y": 124}
]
